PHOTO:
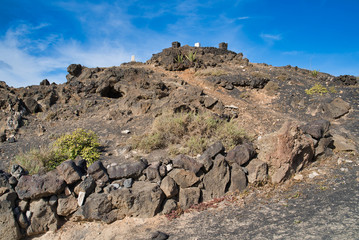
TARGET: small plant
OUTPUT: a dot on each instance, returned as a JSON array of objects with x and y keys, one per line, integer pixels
[
  {"x": 179, "y": 58},
  {"x": 332, "y": 90},
  {"x": 317, "y": 89},
  {"x": 188, "y": 133},
  {"x": 191, "y": 56},
  {"x": 37, "y": 160},
  {"x": 315, "y": 73},
  {"x": 78, "y": 143}
]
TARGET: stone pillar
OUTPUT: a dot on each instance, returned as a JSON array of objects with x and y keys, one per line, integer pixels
[
  {"x": 176, "y": 44},
  {"x": 133, "y": 58},
  {"x": 197, "y": 44},
  {"x": 223, "y": 45}
]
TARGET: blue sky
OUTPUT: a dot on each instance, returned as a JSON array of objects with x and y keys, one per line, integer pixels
[{"x": 39, "y": 39}]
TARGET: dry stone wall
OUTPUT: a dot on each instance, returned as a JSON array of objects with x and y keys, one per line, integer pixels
[{"x": 32, "y": 205}]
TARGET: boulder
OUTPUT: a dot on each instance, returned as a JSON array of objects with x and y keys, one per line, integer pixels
[
  {"x": 45, "y": 82},
  {"x": 323, "y": 145},
  {"x": 337, "y": 108},
  {"x": 152, "y": 173},
  {"x": 98, "y": 172},
  {"x": 169, "y": 187},
  {"x": 257, "y": 171},
  {"x": 32, "y": 105},
  {"x": 169, "y": 206},
  {"x": 214, "y": 149},
  {"x": 189, "y": 197},
  {"x": 74, "y": 69},
  {"x": 144, "y": 200},
  {"x": 186, "y": 162},
  {"x": 37, "y": 186},
  {"x": 87, "y": 185},
  {"x": 159, "y": 236},
  {"x": 317, "y": 129},
  {"x": 129, "y": 170},
  {"x": 69, "y": 171},
  {"x": 66, "y": 205},
  {"x": 346, "y": 80},
  {"x": 183, "y": 178},
  {"x": 209, "y": 102},
  {"x": 17, "y": 171},
  {"x": 343, "y": 144},
  {"x": 123, "y": 200},
  {"x": 148, "y": 199},
  {"x": 42, "y": 218},
  {"x": 4, "y": 179},
  {"x": 286, "y": 151},
  {"x": 206, "y": 159},
  {"x": 9, "y": 228},
  {"x": 10, "y": 197},
  {"x": 241, "y": 154},
  {"x": 238, "y": 179},
  {"x": 216, "y": 180},
  {"x": 96, "y": 208}
]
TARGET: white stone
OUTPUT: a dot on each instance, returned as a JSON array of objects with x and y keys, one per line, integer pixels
[
  {"x": 169, "y": 167},
  {"x": 28, "y": 214},
  {"x": 313, "y": 175},
  {"x": 344, "y": 169},
  {"x": 126, "y": 132},
  {"x": 298, "y": 177},
  {"x": 231, "y": 106},
  {"x": 133, "y": 58},
  {"x": 81, "y": 198},
  {"x": 197, "y": 44}
]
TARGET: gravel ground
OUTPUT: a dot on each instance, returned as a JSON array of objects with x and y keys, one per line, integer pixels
[{"x": 326, "y": 209}]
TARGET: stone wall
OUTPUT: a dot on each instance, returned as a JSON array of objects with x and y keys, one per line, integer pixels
[{"x": 34, "y": 204}]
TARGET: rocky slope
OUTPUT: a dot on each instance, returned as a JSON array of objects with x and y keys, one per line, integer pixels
[{"x": 290, "y": 123}]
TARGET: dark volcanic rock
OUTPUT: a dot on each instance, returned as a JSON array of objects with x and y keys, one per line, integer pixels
[
  {"x": 43, "y": 218},
  {"x": 9, "y": 229},
  {"x": 186, "y": 162},
  {"x": 74, "y": 69},
  {"x": 346, "y": 80},
  {"x": 69, "y": 171},
  {"x": 241, "y": 154},
  {"x": 98, "y": 172},
  {"x": 36, "y": 186},
  {"x": 127, "y": 170},
  {"x": 216, "y": 180},
  {"x": 317, "y": 129},
  {"x": 337, "y": 108}
]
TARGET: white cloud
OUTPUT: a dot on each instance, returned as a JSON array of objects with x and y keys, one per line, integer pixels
[
  {"x": 242, "y": 18},
  {"x": 27, "y": 64},
  {"x": 275, "y": 37}
]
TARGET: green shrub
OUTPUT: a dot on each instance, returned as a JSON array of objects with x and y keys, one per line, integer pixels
[
  {"x": 188, "y": 133},
  {"x": 179, "y": 58},
  {"x": 317, "y": 89},
  {"x": 191, "y": 56},
  {"x": 315, "y": 73},
  {"x": 78, "y": 143}
]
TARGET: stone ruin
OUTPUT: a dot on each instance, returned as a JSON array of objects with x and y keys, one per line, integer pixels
[
  {"x": 176, "y": 58},
  {"x": 34, "y": 204}
]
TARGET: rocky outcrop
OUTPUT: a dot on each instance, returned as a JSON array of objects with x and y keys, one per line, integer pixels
[{"x": 286, "y": 151}]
